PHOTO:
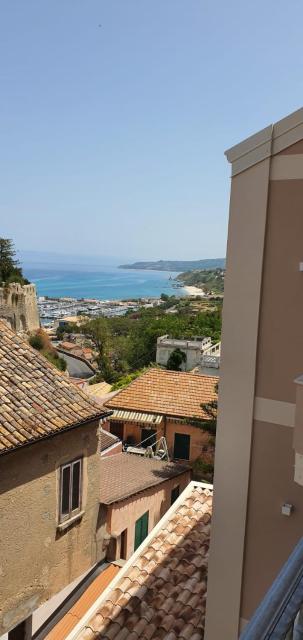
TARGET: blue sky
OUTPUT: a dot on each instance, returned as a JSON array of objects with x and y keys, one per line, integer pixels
[{"x": 112, "y": 137}]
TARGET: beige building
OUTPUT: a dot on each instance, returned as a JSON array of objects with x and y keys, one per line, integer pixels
[
  {"x": 162, "y": 403},
  {"x": 51, "y": 528},
  {"x": 192, "y": 349},
  {"x": 135, "y": 493},
  {"x": 258, "y": 465}
]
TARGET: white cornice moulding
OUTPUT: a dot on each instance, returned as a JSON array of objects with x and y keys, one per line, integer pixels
[
  {"x": 267, "y": 142},
  {"x": 287, "y": 167},
  {"x": 275, "y": 412}
]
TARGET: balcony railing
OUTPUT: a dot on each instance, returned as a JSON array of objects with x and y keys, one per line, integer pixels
[{"x": 280, "y": 614}]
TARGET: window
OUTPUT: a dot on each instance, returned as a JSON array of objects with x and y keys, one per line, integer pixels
[
  {"x": 116, "y": 428},
  {"x": 175, "y": 494},
  {"x": 70, "y": 489},
  {"x": 181, "y": 446},
  {"x": 141, "y": 530}
]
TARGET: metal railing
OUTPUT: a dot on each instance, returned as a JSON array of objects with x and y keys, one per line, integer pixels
[{"x": 280, "y": 614}]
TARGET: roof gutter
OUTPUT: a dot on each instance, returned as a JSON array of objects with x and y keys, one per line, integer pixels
[{"x": 48, "y": 436}]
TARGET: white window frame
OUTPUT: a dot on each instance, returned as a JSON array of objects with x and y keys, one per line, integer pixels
[{"x": 71, "y": 512}]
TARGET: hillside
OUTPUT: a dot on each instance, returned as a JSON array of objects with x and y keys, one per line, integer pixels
[
  {"x": 210, "y": 280},
  {"x": 177, "y": 265}
]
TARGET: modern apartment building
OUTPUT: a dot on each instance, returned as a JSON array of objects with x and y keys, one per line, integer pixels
[{"x": 259, "y": 446}]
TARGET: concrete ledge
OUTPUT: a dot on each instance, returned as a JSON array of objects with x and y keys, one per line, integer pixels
[
  {"x": 68, "y": 523},
  {"x": 275, "y": 412}
]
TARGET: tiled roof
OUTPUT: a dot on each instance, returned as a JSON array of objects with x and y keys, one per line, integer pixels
[
  {"x": 160, "y": 594},
  {"x": 98, "y": 390},
  {"x": 36, "y": 400},
  {"x": 107, "y": 439},
  {"x": 62, "y": 629},
  {"x": 171, "y": 393},
  {"x": 125, "y": 474}
]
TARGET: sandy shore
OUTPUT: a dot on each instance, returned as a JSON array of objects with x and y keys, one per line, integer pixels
[{"x": 194, "y": 291}]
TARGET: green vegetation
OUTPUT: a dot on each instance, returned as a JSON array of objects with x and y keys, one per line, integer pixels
[
  {"x": 175, "y": 360},
  {"x": 41, "y": 342},
  {"x": 10, "y": 269},
  {"x": 177, "y": 265},
  {"x": 125, "y": 345},
  {"x": 204, "y": 469},
  {"x": 127, "y": 379},
  {"x": 210, "y": 280}
]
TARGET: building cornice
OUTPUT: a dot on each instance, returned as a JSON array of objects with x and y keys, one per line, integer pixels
[{"x": 267, "y": 142}]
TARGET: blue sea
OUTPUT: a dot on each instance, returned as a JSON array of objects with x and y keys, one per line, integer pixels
[{"x": 103, "y": 283}]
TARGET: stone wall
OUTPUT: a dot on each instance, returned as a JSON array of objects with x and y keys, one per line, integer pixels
[
  {"x": 18, "y": 305},
  {"x": 37, "y": 559}
]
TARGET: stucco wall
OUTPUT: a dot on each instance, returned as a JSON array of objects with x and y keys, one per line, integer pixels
[
  {"x": 156, "y": 500},
  {"x": 198, "y": 437},
  {"x": 270, "y": 536},
  {"x": 279, "y": 362},
  {"x": 18, "y": 305},
  {"x": 36, "y": 559}
]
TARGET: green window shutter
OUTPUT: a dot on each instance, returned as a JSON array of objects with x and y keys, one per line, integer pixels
[{"x": 141, "y": 530}]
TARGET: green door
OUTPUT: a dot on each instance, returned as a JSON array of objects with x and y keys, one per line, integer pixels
[
  {"x": 141, "y": 530},
  {"x": 181, "y": 446}
]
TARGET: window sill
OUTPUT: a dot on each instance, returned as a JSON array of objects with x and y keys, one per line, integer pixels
[{"x": 62, "y": 526}]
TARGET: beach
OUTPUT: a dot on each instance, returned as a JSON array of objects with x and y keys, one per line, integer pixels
[{"x": 193, "y": 291}]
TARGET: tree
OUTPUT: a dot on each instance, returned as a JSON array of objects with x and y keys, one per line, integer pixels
[
  {"x": 175, "y": 360},
  {"x": 211, "y": 410},
  {"x": 41, "y": 342},
  {"x": 99, "y": 333},
  {"x": 10, "y": 269}
]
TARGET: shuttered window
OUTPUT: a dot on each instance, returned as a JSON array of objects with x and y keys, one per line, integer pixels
[
  {"x": 141, "y": 530},
  {"x": 70, "y": 489}
]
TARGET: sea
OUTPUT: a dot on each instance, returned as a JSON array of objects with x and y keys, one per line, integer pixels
[{"x": 102, "y": 282}]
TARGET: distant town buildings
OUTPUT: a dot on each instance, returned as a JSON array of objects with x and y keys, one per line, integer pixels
[{"x": 192, "y": 348}]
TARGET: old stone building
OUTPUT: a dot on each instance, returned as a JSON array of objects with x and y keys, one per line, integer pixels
[
  {"x": 51, "y": 530},
  {"x": 18, "y": 306}
]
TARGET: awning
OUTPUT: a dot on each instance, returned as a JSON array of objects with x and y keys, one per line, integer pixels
[{"x": 136, "y": 416}]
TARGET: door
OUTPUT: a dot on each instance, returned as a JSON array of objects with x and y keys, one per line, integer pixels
[
  {"x": 141, "y": 530},
  {"x": 117, "y": 428},
  {"x": 174, "y": 494},
  {"x": 181, "y": 446},
  {"x": 148, "y": 437},
  {"x": 123, "y": 549}
]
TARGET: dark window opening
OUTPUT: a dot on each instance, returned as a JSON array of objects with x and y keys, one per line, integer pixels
[
  {"x": 116, "y": 428},
  {"x": 181, "y": 446},
  {"x": 123, "y": 545},
  {"x": 175, "y": 494},
  {"x": 148, "y": 437}
]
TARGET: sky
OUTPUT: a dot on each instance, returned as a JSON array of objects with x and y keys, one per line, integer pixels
[{"x": 115, "y": 115}]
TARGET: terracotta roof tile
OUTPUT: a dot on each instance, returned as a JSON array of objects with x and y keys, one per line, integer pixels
[
  {"x": 124, "y": 474},
  {"x": 107, "y": 439},
  {"x": 171, "y": 393},
  {"x": 35, "y": 398},
  {"x": 167, "y": 602}
]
